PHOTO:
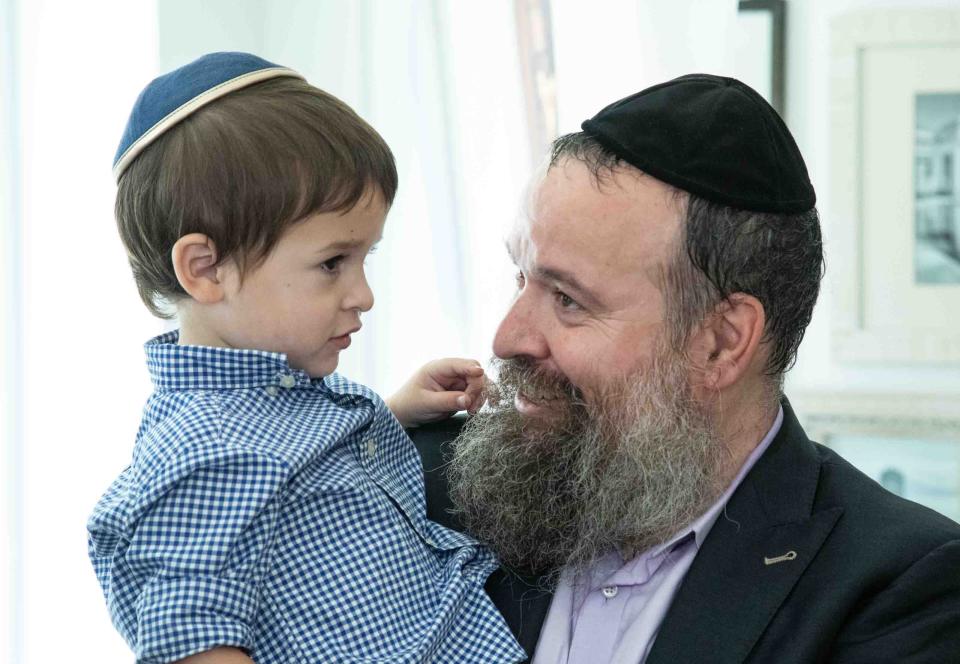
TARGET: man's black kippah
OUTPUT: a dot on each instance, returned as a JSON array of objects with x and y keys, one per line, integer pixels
[{"x": 712, "y": 136}]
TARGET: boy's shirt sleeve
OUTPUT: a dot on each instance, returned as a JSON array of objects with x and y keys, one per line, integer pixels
[{"x": 181, "y": 556}]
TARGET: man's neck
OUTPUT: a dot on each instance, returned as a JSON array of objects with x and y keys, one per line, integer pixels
[{"x": 743, "y": 421}]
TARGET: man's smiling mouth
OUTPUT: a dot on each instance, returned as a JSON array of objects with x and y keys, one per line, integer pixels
[{"x": 533, "y": 405}]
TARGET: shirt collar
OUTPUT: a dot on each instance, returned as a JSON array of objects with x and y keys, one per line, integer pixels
[{"x": 186, "y": 367}]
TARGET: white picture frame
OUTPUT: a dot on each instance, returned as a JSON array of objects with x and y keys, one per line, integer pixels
[
  {"x": 909, "y": 443},
  {"x": 880, "y": 61}
]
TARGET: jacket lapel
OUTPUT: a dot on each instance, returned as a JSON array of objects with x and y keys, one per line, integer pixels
[
  {"x": 753, "y": 556},
  {"x": 523, "y": 602}
]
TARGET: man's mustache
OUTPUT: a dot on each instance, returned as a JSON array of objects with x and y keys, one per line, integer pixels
[{"x": 521, "y": 375}]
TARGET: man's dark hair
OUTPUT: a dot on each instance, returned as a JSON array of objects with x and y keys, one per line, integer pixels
[
  {"x": 242, "y": 170},
  {"x": 776, "y": 258}
]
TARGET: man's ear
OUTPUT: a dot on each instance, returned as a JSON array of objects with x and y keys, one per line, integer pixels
[
  {"x": 195, "y": 263},
  {"x": 728, "y": 343}
]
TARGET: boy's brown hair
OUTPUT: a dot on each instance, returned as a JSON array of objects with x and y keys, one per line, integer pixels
[{"x": 242, "y": 170}]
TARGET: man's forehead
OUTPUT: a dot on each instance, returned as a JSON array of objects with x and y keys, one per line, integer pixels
[{"x": 626, "y": 221}]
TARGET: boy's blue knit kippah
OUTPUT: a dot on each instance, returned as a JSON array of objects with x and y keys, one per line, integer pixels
[{"x": 172, "y": 97}]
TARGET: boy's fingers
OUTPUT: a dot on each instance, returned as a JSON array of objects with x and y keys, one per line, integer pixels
[
  {"x": 447, "y": 402},
  {"x": 490, "y": 392},
  {"x": 474, "y": 388},
  {"x": 477, "y": 381},
  {"x": 475, "y": 392},
  {"x": 476, "y": 404},
  {"x": 456, "y": 367}
]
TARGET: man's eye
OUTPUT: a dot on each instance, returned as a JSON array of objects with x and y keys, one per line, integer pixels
[
  {"x": 565, "y": 301},
  {"x": 331, "y": 264}
]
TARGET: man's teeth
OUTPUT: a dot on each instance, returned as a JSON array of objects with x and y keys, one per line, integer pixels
[{"x": 536, "y": 396}]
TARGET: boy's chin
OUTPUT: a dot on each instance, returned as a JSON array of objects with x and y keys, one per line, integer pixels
[
  {"x": 317, "y": 367},
  {"x": 322, "y": 371}
]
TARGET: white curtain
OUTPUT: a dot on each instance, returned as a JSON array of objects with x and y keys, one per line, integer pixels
[{"x": 609, "y": 50}]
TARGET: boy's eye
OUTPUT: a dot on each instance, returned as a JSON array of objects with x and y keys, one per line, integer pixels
[{"x": 331, "y": 264}]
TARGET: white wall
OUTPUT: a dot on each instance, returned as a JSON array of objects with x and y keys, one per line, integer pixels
[
  {"x": 808, "y": 100},
  {"x": 605, "y": 54}
]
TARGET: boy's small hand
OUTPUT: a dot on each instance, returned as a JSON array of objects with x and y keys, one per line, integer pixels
[{"x": 438, "y": 390}]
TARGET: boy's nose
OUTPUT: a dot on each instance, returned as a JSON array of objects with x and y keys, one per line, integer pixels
[{"x": 360, "y": 296}]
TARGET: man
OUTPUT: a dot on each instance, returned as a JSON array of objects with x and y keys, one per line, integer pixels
[{"x": 640, "y": 473}]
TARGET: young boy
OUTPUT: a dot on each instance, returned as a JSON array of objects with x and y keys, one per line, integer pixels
[{"x": 274, "y": 511}]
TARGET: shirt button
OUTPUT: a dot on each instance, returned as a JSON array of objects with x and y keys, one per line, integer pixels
[
  {"x": 271, "y": 390},
  {"x": 371, "y": 448},
  {"x": 288, "y": 381},
  {"x": 610, "y": 591}
]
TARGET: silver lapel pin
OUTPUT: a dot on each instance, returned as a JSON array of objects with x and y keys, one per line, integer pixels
[{"x": 789, "y": 555}]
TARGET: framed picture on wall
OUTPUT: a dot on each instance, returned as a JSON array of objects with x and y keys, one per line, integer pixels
[
  {"x": 894, "y": 248},
  {"x": 910, "y": 444}
]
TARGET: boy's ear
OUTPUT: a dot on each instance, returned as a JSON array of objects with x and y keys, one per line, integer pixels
[
  {"x": 729, "y": 343},
  {"x": 195, "y": 264}
]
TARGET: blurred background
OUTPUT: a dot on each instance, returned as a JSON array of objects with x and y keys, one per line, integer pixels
[{"x": 468, "y": 94}]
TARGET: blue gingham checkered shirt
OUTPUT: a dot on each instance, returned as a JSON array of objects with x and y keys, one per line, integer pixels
[{"x": 286, "y": 516}]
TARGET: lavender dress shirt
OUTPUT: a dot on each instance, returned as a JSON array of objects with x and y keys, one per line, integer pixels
[{"x": 612, "y": 612}]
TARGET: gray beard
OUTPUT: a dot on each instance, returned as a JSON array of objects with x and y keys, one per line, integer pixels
[{"x": 622, "y": 473}]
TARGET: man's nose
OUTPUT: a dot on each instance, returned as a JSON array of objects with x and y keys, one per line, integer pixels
[{"x": 520, "y": 332}]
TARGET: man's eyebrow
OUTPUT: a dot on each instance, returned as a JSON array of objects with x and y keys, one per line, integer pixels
[
  {"x": 557, "y": 275},
  {"x": 569, "y": 281}
]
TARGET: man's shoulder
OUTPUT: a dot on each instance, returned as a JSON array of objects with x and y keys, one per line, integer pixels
[
  {"x": 870, "y": 508},
  {"x": 884, "y": 562},
  {"x": 845, "y": 566},
  {"x": 798, "y": 478}
]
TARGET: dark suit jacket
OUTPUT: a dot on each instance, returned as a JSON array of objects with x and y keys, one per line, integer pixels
[{"x": 876, "y": 578}]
